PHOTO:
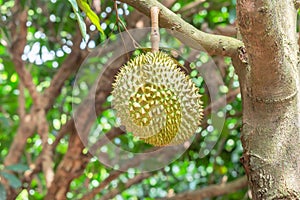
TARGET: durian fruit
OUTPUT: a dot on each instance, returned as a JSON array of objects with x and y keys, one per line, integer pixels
[{"x": 156, "y": 101}]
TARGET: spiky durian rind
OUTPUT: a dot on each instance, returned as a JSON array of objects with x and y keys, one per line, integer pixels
[{"x": 156, "y": 101}]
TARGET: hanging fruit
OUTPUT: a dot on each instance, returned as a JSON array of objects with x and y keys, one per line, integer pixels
[{"x": 154, "y": 99}]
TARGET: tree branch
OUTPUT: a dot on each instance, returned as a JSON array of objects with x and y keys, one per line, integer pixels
[
  {"x": 71, "y": 166},
  {"x": 134, "y": 162},
  {"x": 213, "y": 44},
  {"x": 138, "y": 178},
  {"x": 112, "y": 176},
  {"x": 47, "y": 159},
  {"x": 18, "y": 31},
  {"x": 74, "y": 161},
  {"x": 68, "y": 67},
  {"x": 21, "y": 101},
  {"x": 26, "y": 128},
  {"x": 229, "y": 97},
  {"x": 68, "y": 127},
  {"x": 213, "y": 190}
]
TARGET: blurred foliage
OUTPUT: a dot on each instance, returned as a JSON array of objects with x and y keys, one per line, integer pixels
[
  {"x": 51, "y": 27},
  {"x": 86, "y": 8}
]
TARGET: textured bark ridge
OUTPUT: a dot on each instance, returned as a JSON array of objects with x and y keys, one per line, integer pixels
[{"x": 269, "y": 88}]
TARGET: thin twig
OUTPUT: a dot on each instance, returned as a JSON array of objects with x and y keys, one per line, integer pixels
[
  {"x": 118, "y": 20},
  {"x": 135, "y": 43}
]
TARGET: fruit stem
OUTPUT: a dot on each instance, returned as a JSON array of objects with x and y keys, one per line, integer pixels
[{"x": 155, "y": 37}]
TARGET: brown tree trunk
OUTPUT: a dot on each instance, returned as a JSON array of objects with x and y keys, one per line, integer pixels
[{"x": 270, "y": 134}]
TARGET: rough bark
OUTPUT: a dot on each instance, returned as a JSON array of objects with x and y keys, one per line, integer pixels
[
  {"x": 271, "y": 130},
  {"x": 71, "y": 167}
]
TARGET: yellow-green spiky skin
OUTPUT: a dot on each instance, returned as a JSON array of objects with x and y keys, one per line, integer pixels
[{"x": 156, "y": 101}]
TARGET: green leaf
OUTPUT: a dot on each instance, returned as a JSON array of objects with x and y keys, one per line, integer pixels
[
  {"x": 2, "y": 192},
  {"x": 85, "y": 7},
  {"x": 17, "y": 168},
  {"x": 79, "y": 18},
  {"x": 12, "y": 179}
]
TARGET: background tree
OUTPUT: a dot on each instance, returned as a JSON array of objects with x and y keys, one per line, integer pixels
[{"x": 41, "y": 50}]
